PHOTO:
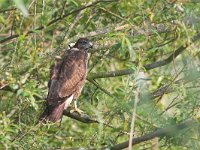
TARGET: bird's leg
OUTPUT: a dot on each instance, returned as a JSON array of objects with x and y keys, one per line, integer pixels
[
  {"x": 60, "y": 121},
  {"x": 76, "y": 109}
]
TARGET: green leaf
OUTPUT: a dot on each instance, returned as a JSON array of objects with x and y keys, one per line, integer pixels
[
  {"x": 33, "y": 102},
  {"x": 130, "y": 49}
]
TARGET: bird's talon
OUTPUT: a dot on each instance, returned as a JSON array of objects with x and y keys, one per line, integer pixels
[{"x": 77, "y": 110}]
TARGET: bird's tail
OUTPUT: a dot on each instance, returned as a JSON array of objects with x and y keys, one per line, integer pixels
[{"x": 52, "y": 114}]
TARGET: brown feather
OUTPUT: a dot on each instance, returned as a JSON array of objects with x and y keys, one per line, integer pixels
[
  {"x": 52, "y": 114},
  {"x": 67, "y": 78}
]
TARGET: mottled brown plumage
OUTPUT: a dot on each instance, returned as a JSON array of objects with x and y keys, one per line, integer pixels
[{"x": 67, "y": 78}]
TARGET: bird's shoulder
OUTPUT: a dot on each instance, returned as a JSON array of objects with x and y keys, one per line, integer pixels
[{"x": 74, "y": 53}]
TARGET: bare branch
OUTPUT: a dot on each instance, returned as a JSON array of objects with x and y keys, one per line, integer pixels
[
  {"x": 84, "y": 118},
  {"x": 147, "y": 66},
  {"x": 80, "y": 117},
  {"x": 168, "y": 131},
  {"x": 172, "y": 56},
  {"x": 110, "y": 74}
]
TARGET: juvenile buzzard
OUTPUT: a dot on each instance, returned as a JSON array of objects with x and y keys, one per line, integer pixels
[{"x": 67, "y": 78}]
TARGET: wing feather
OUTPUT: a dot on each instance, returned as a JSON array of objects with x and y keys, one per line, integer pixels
[
  {"x": 67, "y": 76},
  {"x": 73, "y": 77}
]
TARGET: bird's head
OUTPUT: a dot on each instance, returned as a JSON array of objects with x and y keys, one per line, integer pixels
[{"x": 83, "y": 44}]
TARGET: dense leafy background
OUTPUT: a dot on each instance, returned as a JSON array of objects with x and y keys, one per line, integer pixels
[{"x": 127, "y": 34}]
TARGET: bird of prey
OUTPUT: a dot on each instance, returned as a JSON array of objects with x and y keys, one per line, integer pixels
[{"x": 67, "y": 78}]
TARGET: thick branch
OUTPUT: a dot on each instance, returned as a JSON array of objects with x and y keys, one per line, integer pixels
[
  {"x": 162, "y": 132},
  {"x": 168, "y": 131},
  {"x": 165, "y": 61},
  {"x": 147, "y": 67},
  {"x": 172, "y": 56},
  {"x": 80, "y": 117},
  {"x": 84, "y": 118}
]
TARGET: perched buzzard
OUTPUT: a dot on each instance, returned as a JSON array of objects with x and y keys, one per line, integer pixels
[{"x": 67, "y": 78}]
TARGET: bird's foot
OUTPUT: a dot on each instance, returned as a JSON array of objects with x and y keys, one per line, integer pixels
[{"x": 77, "y": 110}]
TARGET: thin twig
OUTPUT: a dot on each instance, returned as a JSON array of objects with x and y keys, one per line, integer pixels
[
  {"x": 102, "y": 89},
  {"x": 6, "y": 10},
  {"x": 71, "y": 27},
  {"x": 57, "y": 19}
]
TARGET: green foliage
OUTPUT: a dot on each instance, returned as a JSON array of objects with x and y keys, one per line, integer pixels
[{"x": 127, "y": 34}]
